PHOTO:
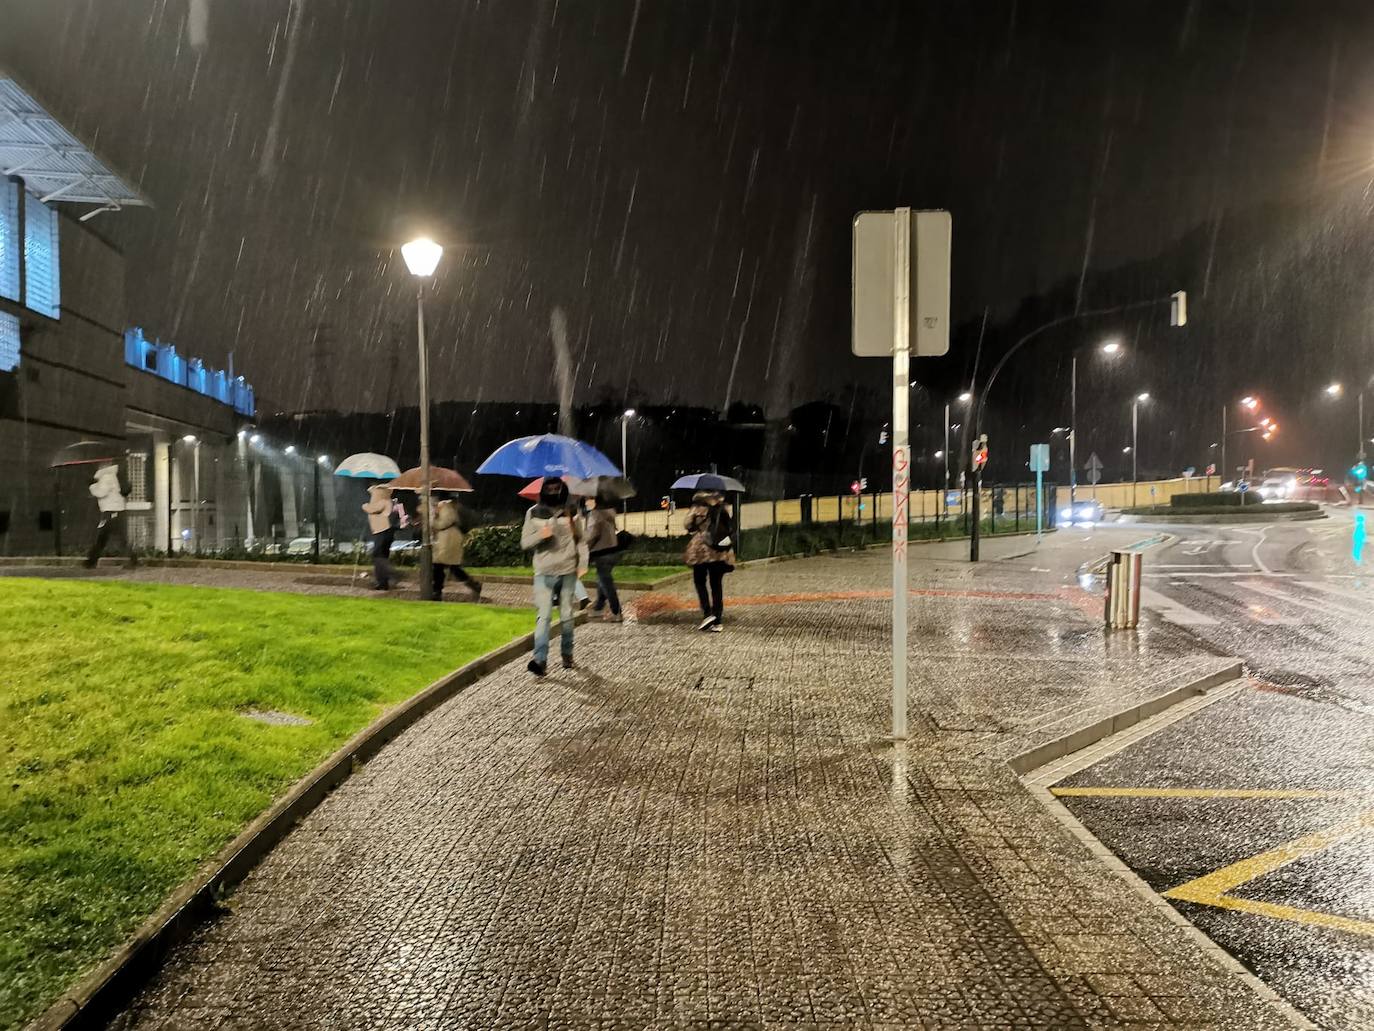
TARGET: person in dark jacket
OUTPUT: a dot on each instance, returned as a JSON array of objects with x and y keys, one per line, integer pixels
[
  {"x": 603, "y": 549},
  {"x": 710, "y": 553}
]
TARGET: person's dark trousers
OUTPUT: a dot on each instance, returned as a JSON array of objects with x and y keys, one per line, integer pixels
[
  {"x": 605, "y": 584},
  {"x": 110, "y": 524},
  {"x": 381, "y": 557},
  {"x": 712, "y": 573},
  {"x": 459, "y": 573}
]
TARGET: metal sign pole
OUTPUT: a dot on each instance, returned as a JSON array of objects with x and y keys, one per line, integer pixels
[{"x": 901, "y": 457}]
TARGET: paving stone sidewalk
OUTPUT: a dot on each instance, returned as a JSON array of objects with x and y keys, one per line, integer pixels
[{"x": 703, "y": 830}]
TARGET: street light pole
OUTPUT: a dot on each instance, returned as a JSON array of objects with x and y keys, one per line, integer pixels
[
  {"x": 1135, "y": 448},
  {"x": 315, "y": 547},
  {"x": 946, "y": 485},
  {"x": 1222, "y": 478},
  {"x": 1073, "y": 432},
  {"x": 422, "y": 258},
  {"x": 625, "y": 453}
]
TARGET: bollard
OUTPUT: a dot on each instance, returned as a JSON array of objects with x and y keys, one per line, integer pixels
[{"x": 1123, "y": 590}]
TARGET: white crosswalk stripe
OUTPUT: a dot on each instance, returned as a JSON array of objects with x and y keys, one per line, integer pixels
[{"x": 1173, "y": 611}]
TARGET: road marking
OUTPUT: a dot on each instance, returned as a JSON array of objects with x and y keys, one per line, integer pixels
[
  {"x": 1200, "y": 566},
  {"x": 1204, "y": 571},
  {"x": 1255, "y": 555},
  {"x": 1326, "y": 607},
  {"x": 1108, "y": 792},
  {"x": 1173, "y": 611},
  {"x": 1212, "y": 889}
]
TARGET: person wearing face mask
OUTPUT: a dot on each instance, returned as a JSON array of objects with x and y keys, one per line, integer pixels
[{"x": 554, "y": 531}]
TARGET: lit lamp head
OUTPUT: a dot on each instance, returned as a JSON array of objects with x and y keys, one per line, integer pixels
[
  {"x": 1334, "y": 390},
  {"x": 1142, "y": 397},
  {"x": 965, "y": 397},
  {"x": 1112, "y": 347},
  {"x": 422, "y": 256}
]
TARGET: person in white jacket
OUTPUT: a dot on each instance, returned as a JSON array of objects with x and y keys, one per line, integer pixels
[
  {"x": 378, "y": 509},
  {"x": 554, "y": 531},
  {"x": 105, "y": 489}
]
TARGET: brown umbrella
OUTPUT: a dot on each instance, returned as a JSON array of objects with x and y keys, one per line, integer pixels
[{"x": 439, "y": 479}]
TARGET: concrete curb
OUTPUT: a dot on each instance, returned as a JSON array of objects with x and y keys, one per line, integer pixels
[
  {"x": 1048, "y": 752},
  {"x": 94, "y": 1001},
  {"x": 1213, "y": 520}
]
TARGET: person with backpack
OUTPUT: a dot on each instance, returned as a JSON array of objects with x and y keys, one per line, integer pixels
[
  {"x": 555, "y": 532},
  {"x": 710, "y": 553},
  {"x": 603, "y": 549}
]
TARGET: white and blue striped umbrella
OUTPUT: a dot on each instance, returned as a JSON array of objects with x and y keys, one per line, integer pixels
[{"x": 367, "y": 466}]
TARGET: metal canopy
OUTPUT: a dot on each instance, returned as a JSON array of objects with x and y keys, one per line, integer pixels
[{"x": 53, "y": 163}]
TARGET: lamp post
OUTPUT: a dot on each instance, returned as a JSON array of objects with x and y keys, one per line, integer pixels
[
  {"x": 1248, "y": 401},
  {"x": 315, "y": 547},
  {"x": 422, "y": 258},
  {"x": 964, "y": 398},
  {"x": 625, "y": 418},
  {"x": 1335, "y": 390},
  {"x": 194, "y": 441},
  {"x": 1111, "y": 348},
  {"x": 1136, "y": 402}
]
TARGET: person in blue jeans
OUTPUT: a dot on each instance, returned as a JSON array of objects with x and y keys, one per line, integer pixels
[{"x": 554, "y": 531}]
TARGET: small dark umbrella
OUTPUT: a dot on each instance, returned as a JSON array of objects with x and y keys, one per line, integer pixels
[
  {"x": 86, "y": 452},
  {"x": 707, "y": 481}
]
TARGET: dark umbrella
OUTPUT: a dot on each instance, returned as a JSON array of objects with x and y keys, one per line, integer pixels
[
  {"x": 87, "y": 452},
  {"x": 708, "y": 481},
  {"x": 616, "y": 488}
]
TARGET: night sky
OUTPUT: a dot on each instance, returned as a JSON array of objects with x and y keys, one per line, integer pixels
[{"x": 680, "y": 177}]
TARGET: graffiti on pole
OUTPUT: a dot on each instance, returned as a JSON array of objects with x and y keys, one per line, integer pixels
[{"x": 901, "y": 493}]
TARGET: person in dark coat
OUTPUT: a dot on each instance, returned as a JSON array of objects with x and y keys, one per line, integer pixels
[{"x": 603, "y": 549}]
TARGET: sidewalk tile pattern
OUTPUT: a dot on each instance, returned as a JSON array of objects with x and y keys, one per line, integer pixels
[{"x": 710, "y": 831}]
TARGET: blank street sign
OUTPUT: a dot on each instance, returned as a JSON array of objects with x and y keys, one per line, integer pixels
[{"x": 873, "y": 283}]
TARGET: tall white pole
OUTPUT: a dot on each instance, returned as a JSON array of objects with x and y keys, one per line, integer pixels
[
  {"x": 901, "y": 457},
  {"x": 624, "y": 457},
  {"x": 946, "y": 483},
  {"x": 426, "y": 547},
  {"x": 1135, "y": 408},
  {"x": 1073, "y": 433}
]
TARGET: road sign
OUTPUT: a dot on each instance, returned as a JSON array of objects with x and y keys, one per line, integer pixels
[
  {"x": 873, "y": 275},
  {"x": 1242, "y": 486},
  {"x": 1094, "y": 468},
  {"x": 952, "y": 498},
  {"x": 1040, "y": 458}
]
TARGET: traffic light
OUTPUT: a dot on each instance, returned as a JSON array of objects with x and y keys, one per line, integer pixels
[{"x": 980, "y": 453}]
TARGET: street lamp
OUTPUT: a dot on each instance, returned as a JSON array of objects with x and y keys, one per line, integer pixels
[
  {"x": 1136, "y": 402},
  {"x": 1335, "y": 390},
  {"x": 625, "y": 418},
  {"x": 964, "y": 398},
  {"x": 315, "y": 546},
  {"x": 422, "y": 258},
  {"x": 1249, "y": 402},
  {"x": 1111, "y": 349}
]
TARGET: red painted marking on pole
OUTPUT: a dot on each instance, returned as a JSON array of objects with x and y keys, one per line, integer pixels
[{"x": 901, "y": 500}]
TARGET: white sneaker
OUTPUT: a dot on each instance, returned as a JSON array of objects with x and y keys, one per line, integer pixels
[
  {"x": 706, "y": 623},
  {"x": 716, "y": 627}
]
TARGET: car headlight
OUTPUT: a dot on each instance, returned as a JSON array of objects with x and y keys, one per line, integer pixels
[{"x": 1066, "y": 513}]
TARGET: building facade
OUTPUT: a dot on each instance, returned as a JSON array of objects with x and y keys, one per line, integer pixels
[{"x": 71, "y": 370}]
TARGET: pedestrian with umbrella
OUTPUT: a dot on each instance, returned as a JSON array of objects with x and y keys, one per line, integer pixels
[
  {"x": 446, "y": 534},
  {"x": 553, "y": 529},
  {"x": 711, "y": 549},
  {"x": 603, "y": 550},
  {"x": 555, "y": 532},
  {"x": 378, "y": 508},
  {"x": 110, "y": 499}
]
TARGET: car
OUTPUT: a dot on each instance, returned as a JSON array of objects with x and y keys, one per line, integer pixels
[
  {"x": 1275, "y": 488},
  {"x": 1085, "y": 512}
]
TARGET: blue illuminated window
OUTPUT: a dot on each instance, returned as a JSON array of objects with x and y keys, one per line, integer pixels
[
  {"x": 9, "y": 343},
  {"x": 9, "y": 240},
  {"x": 41, "y": 280}
]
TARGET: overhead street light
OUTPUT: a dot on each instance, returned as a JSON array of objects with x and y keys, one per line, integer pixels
[
  {"x": 1250, "y": 402},
  {"x": 1136, "y": 402},
  {"x": 1111, "y": 347},
  {"x": 422, "y": 258},
  {"x": 1335, "y": 390}
]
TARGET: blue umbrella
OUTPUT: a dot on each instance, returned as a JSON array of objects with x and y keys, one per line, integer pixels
[
  {"x": 548, "y": 455},
  {"x": 707, "y": 481}
]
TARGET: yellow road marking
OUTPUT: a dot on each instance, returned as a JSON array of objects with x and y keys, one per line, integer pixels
[
  {"x": 1211, "y": 889},
  {"x": 1196, "y": 793}
]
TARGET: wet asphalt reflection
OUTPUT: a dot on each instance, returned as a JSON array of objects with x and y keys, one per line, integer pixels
[{"x": 1282, "y": 883}]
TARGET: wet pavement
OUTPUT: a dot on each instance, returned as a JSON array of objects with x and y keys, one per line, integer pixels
[
  {"x": 1281, "y": 882},
  {"x": 710, "y": 830}
]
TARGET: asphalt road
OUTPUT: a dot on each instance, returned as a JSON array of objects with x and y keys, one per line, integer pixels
[{"x": 1255, "y": 816}]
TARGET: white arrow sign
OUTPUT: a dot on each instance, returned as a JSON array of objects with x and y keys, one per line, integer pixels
[{"x": 1094, "y": 468}]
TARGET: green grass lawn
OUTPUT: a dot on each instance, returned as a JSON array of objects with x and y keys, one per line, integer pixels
[
  {"x": 126, "y": 762},
  {"x": 623, "y": 574}
]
